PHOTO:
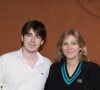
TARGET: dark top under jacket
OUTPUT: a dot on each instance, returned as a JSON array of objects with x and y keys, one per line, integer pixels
[{"x": 86, "y": 77}]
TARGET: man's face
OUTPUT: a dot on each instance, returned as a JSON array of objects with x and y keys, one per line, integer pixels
[{"x": 31, "y": 42}]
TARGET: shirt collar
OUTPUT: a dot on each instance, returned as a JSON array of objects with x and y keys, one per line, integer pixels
[{"x": 40, "y": 57}]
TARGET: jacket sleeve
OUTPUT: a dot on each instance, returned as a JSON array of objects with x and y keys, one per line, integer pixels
[
  {"x": 91, "y": 76},
  {"x": 97, "y": 78},
  {"x": 94, "y": 75}
]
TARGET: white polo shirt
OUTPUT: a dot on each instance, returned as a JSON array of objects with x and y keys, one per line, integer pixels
[{"x": 16, "y": 74}]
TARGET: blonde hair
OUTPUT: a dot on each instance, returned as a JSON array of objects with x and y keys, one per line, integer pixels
[{"x": 81, "y": 43}]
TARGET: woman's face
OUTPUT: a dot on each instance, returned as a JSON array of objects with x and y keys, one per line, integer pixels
[{"x": 70, "y": 48}]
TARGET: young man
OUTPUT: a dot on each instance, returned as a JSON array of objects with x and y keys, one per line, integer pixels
[{"x": 26, "y": 69}]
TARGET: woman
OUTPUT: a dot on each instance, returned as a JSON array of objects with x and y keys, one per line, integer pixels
[{"x": 73, "y": 70}]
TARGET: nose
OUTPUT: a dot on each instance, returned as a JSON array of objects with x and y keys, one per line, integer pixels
[
  {"x": 33, "y": 39},
  {"x": 69, "y": 46}
]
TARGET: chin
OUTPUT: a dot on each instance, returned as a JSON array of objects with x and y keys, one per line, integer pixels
[
  {"x": 71, "y": 57},
  {"x": 31, "y": 51}
]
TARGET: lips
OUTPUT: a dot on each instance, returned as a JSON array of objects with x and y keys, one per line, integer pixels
[
  {"x": 70, "y": 51},
  {"x": 32, "y": 45}
]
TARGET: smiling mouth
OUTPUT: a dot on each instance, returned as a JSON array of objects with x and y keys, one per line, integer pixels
[
  {"x": 32, "y": 45},
  {"x": 70, "y": 51}
]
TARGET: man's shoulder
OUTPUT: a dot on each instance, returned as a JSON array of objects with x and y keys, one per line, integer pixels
[
  {"x": 47, "y": 60},
  {"x": 7, "y": 55},
  {"x": 44, "y": 58}
]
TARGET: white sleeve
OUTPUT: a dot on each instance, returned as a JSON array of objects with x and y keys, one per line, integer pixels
[{"x": 1, "y": 73}]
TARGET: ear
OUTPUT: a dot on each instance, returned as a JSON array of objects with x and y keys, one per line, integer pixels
[
  {"x": 80, "y": 49},
  {"x": 22, "y": 38},
  {"x": 42, "y": 42}
]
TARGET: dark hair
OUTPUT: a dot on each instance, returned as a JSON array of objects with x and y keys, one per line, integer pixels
[{"x": 37, "y": 26}]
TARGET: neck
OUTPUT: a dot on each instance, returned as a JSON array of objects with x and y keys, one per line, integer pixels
[
  {"x": 31, "y": 58},
  {"x": 28, "y": 55},
  {"x": 71, "y": 66},
  {"x": 72, "y": 63}
]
